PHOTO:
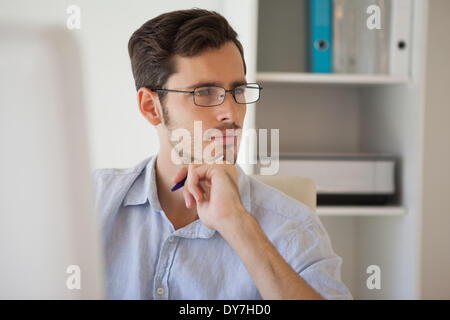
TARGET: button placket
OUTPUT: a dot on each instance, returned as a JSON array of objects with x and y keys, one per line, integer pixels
[{"x": 161, "y": 278}]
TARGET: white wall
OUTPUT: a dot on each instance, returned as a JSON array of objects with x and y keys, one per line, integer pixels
[
  {"x": 436, "y": 188},
  {"x": 118, "y": 135}
]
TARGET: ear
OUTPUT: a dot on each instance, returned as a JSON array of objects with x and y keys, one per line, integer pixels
[{"x": 148, "y": 102}]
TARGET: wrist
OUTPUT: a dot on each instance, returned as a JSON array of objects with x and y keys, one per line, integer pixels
[{"x": 236, "y": 223}]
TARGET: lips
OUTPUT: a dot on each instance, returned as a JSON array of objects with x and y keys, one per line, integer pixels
[
  {"x": 226, "y": 139},
  {"x": 224, "y": 136}
]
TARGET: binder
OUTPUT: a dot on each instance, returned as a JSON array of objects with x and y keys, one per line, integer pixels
[
  {"x": 356, "y": 48},
  {"x": 320, "y": 57},
  {"x": 400, "y": 44},
  {"x": 344, "y": 37}
]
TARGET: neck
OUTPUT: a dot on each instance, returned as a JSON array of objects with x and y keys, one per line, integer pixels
[{"x": 172, "y": 203}]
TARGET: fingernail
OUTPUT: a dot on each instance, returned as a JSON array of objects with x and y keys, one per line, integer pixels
[{"x": 187, "y": 203}]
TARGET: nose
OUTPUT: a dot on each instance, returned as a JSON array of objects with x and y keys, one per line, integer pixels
[{"x": 227, "y": 111}]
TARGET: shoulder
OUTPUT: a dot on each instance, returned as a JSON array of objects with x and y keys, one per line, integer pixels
[
  {"x": 282, "y": 218},
  {"x": 267, "y": 200},
  {"x": 120, "y": 172}
]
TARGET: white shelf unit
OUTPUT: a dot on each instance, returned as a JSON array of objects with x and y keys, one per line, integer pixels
[{"x": 344, "y": 113}]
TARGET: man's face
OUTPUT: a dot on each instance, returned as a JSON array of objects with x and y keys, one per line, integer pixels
[{"x": 223, "y": 66}]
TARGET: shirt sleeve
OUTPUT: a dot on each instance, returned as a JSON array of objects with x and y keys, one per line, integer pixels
[{"x": 313, "y": 258}]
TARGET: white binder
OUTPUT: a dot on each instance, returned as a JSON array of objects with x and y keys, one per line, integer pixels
[{"x": 356, "y": 48}]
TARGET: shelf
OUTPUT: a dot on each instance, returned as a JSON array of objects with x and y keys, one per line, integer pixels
[
  {"x": 359, "y": 79},
  {"x": 339, "y": 211}
]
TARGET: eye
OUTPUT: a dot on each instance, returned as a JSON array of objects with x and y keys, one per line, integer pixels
[
  {"x": 203, "y": 92},
  {"x": 239, "y": 90}
]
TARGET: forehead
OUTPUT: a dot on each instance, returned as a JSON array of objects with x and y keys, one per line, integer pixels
[{"x": 223, "y": 65}]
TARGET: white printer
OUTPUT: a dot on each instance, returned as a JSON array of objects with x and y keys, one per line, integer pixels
[{"x": 360, "y": 179}]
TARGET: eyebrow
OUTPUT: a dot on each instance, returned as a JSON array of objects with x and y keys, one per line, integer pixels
[{"x": 214, "y": 83}]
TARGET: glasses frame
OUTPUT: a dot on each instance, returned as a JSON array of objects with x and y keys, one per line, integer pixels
[{"x": 230, "y": 90}]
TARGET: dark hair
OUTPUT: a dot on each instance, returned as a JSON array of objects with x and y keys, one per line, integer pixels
[{"x": 182, "y": 32}]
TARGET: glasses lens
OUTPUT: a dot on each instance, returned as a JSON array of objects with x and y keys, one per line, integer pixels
[
  {"x": 247, "y": 93},
  {"x": 208, "y": 96}
]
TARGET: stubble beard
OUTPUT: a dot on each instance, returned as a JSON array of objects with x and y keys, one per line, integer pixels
[{"x": 188, "y": 158}]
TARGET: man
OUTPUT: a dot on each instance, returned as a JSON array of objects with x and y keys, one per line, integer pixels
[{"x": 223, "y": 235}]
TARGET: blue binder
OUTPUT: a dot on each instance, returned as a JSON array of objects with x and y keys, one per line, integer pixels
[{"x": 320, "y": 25}]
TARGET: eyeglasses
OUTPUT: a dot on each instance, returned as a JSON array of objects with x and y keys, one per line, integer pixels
[{"x": 211, "y": 96}]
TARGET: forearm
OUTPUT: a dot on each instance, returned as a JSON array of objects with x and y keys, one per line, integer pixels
[{"x": 273, "y": 277}]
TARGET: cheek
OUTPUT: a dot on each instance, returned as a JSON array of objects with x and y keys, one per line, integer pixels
[
  {"x": 188, "y": 116},
  {"x": 242, "y": 113},
  {"x": 183, "y": 111}
]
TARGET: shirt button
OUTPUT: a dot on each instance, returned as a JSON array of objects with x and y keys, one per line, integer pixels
[
  {"x": 160, "y": 291},
  {"x": 170, "y": 239}
]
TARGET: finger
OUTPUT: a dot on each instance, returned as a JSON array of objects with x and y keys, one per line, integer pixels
[
  {"x": 193, "y": 185},
  {"x": 206, "y": 186},
  {"x": 181, "y": 174},
  {"x": 203, "y": 172},
  {"x": 206, "y": 172},
  {"x": 188, "y": 198}
]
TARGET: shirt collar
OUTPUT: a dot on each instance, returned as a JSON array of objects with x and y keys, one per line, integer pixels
[
  {"x": 144, "y": 189},
  {"x": 145, "y": 182}
]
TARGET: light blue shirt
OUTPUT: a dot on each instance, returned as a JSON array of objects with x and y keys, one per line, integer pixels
[{"x": 146, "y": 258}]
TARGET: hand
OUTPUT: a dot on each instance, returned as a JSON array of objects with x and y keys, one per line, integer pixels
[{"x": 214, "y": 189}]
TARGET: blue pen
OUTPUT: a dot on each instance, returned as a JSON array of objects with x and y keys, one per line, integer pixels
[{"x": 181, "y": 182}]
